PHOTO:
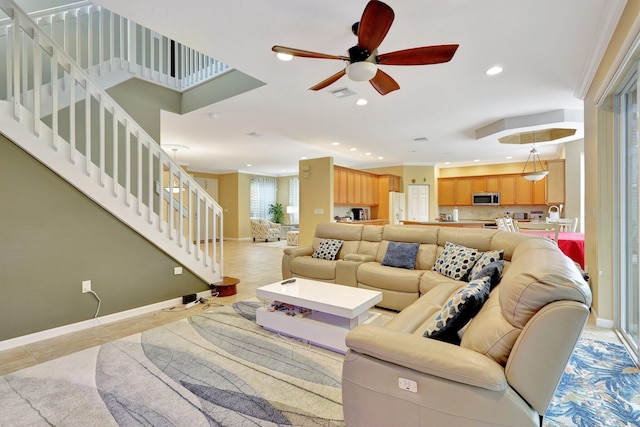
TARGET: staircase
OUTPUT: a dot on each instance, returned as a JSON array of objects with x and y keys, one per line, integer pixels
[{"x": 58, "y": 112}]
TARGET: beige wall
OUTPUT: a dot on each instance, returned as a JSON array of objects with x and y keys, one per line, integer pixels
[
  {"x": 316, "y": 192},
  {"x": 599, "y": 165}
]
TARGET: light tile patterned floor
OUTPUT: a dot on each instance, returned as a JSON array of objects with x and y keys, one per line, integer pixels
[{"x": 255, "y": 264}]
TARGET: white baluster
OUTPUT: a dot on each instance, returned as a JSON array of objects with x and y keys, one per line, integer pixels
[{"x": 37, "y": 82}]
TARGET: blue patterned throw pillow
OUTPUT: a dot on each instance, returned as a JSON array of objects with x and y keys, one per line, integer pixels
[
  {"x": 328, "y": 249},
  {"x": 484, "y": 259},
  {"x": 457, "y": 312},
  {"x": 455, "y": 261},
  {"x": 402, "y": 255},
  {"x": 493, "y": 270}
]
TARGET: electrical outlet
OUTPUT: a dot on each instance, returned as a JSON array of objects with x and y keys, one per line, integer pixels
[
  {"x": 177, "y": 271},
  {"x": 408, "y": 385},
  {"x": 86, "y": 286}
]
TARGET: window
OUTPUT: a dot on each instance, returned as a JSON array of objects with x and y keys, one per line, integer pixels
[
  {"x": 629, "y": 210},
  {"x": 262, "y": 193},
  {"x": 294, "y": 199}
]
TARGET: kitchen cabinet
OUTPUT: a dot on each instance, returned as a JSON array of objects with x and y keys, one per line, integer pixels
[
  {"x": 446, "y": 193},
  {"x": 507, "y": 190},
  {"x": 492, "y": 184},
  {"x": 524, "y": 191},
  {"x": 463, "y": 190},
  {"x": 352, "y": 187},
  {"x": 540, "y": 192},
  {"x": 555, "y": 182}
]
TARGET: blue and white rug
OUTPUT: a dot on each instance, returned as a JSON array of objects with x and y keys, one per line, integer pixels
[{"x": 221, "y": 369}]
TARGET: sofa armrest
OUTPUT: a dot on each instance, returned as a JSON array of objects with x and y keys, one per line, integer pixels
[
  {"x": 299, "y": 251},
  {"x": 359, "y": 258},
  {"x": 428, "y": 356}
]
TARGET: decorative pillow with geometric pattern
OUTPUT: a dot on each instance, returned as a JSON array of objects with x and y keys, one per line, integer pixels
[
  {"x": 484, "y": 259},
  {"x": 493, "y": 270},
  {"x": 458, "y": 311},
  {"x": 328, "y": 249},
  {"x": 455, "y": 261}
]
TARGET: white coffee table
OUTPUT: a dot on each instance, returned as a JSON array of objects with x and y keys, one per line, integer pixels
[{"x": 335, "y": 309}]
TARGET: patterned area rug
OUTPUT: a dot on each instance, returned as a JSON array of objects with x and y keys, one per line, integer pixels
[{"x": 221, "y": 369}]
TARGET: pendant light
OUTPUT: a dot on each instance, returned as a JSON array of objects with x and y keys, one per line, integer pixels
[{"x": 535, "y": 174}]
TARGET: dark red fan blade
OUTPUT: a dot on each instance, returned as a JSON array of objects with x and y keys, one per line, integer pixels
[
  {"x": 306, "y": 53},
  {"x": 374, "y": 25},
  {"x": 383, "y": 83},
  {"x": 330, "y": 80},
  {"x": 419, "y": 55}
]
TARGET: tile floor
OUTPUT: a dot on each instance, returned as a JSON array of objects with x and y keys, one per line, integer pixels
[{"x": 264, "y": 261}]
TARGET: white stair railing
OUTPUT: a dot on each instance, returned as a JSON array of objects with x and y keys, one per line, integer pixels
[
  {"x": 54, "y": 110},
  {"x": 111, "y": 48}
]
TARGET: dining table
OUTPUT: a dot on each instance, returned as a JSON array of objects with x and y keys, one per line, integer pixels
[{"x": 572, "y": 245}]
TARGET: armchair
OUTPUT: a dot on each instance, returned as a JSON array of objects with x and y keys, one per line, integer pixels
[{"x": 264, "y": 229}]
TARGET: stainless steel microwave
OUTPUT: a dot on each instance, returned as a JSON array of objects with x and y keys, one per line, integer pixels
[{"x": 486, "y": 199}]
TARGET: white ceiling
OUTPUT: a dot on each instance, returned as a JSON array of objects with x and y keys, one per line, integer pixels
[{"x": 547, "y": 48}]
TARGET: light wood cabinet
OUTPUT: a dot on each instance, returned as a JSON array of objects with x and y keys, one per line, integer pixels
[
  {"x": 463, "y": 192},
  {"x": 555, "y": 182},
  {"x": 352, "y": 187},
  {"x": 446, "y": 193},
  {"x": 513, "y": 189},
  {"x": 507, "y": 190}
]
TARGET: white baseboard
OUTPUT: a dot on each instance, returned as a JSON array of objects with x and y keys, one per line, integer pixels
[
  {"x": 604, "y": 323},
  {"x": 86, "y": 324}
]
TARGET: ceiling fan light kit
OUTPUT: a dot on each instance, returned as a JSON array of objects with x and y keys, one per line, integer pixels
[
  {"x": 363, "y": 58},
  {"x": 361, "y": 71}
]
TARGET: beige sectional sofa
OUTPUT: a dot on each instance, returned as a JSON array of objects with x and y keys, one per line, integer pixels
[
  {"x": 510, "y": 357},
  {"x": 359, "y": 261}
]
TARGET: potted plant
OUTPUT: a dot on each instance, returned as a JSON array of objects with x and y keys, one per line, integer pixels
[{"x": 277, "y": 213}]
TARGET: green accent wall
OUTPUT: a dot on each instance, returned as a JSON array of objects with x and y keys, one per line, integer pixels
[{"x": 52, "y": 237}]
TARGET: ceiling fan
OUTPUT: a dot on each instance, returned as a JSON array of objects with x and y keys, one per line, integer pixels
[{"x": 363, "y": 59}]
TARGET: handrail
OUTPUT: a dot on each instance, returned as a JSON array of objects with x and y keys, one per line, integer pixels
[
  {"x": 107, "y": 41},
  {"x": 45, "y": 85}
]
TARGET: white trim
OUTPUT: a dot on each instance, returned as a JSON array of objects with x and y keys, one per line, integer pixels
[
  {"x": 86, "y": 324},
  {"x": 626, "y": 55},
  {"x": 610, "y": 17},
  {"x": 604, "y": 323}
]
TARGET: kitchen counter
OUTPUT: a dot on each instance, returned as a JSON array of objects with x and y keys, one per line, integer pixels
[
  {"x": 463, "y": 223},
  {"x": 367, "y": 222}
]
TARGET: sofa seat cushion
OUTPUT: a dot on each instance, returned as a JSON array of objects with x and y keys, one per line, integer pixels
[
  {"x": 320, "y": 269},
  {"x": 414, "y": 318},
  {"x": 430, "y": 280},
  {"x": 376, "y": 275}
]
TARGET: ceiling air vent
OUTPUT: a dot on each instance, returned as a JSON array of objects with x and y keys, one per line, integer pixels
[{"x": 342, "y": 93}]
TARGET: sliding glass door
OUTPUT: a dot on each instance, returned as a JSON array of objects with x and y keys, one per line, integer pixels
[{"x": 629, "y": 235}]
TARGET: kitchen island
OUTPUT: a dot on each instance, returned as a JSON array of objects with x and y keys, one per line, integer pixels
[{"x": 463, "y": 223}]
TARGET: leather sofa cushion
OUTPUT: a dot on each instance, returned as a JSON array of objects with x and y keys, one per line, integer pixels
[
  {"x": 397, "y": 279},
  {"x": 430, "y": 281},
  {"x": 320, "y": 269},
  {"x": 540, "y": 274},
  {"x": 489, "y": 333}
]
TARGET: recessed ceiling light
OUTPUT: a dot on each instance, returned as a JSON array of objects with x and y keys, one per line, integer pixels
[
  {"x": 367, "y": 154},
  {"x": 494, "y": 70},
  {"x": 303, "y": 158},
  {"x": 380, "y": 157},
  {"x": 447, "y": 163},
  {"x": 335, "y": 143},
  {"x": 284, "y": 56},
  {"x": 249, "y": 165},
  {"x": 362, "y": 102},
  {"x": 476, "y": 160},
  {"x": 353, "y": 149},
  {"x": 509, "y": 157}
]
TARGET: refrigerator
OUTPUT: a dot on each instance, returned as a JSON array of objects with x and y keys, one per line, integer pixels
[{"x": 396, "y": 207}]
